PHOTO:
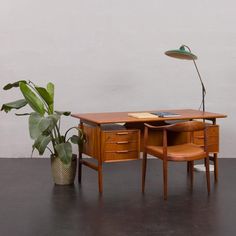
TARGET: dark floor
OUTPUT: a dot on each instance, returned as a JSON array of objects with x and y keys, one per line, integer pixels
[{"x": 31, "y": 205}]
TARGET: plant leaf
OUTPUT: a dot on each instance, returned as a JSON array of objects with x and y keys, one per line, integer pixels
[
  {"x": 37, "y": 125},
  {"x": 45, "y": 95},
  {"x": 41, "y": 143},
  {"x": 65, "y": 113},
  {"x": 50, "y": 89},
  {"x": 22, "y": 114},
  {"x": 32, "y": 99},
  {"x": 13, "y": 85},
  {"x": 64, "y": 152},
  {"x": 14, "y": 105},
  {"x": 53, "y": 122},
  {"x": 75, "y": 139}
]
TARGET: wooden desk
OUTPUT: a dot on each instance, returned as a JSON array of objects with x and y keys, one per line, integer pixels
[{"x": 111, "y": 143}]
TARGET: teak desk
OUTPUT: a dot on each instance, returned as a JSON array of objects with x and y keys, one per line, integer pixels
[{"x": 107, "y": 141}]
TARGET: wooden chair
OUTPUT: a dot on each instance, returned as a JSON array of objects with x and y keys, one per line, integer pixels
[{"x": 187, "y": 152}]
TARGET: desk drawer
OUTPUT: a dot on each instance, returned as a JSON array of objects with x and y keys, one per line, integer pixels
[
  {"x": 121, "y": 145},
  {"x": 213, "y": 138},
  {"x": 122, "y": 155},
  {"x": 122, "y": 135}
]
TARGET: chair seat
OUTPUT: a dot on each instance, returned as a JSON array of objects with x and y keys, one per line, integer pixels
[{"x": 183, "y": 152}]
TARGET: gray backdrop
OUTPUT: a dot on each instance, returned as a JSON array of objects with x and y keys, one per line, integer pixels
[{"x": 108, "y": 55}]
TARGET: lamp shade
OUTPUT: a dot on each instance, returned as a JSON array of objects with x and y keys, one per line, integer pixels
[{"x": 181, "y": 53}]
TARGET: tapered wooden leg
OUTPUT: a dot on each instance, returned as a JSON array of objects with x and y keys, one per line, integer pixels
[
  {"x": 80, "y": 167},
  {"x": 188, "y": 167},
  {"x": 144, "y": 167},
  {"x": 216, "y": 167},
  {"x": 165, "y": 176},
  {"x": 191, "y": 164},
  {"x": 208, "y": 175},
  {"x": 80, "y": 157},
  {"x": 100, "y": 184}
]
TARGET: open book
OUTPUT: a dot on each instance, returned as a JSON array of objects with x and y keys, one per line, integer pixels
[{"x": 165, "y": 114}]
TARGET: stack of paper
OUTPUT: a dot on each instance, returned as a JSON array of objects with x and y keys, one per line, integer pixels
[{"x": 142, "y": 115}]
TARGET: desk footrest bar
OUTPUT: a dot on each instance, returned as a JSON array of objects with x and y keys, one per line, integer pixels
[{"x": 91, "y": 165}]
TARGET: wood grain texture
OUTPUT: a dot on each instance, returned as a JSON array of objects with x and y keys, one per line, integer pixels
[{"x": 118, "y": 117}]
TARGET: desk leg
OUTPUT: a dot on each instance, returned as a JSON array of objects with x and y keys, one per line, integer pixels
[
  {"x": 215, "y": 159},
  {"x": 100, "y": 182},
  {"x": 216, "y": 167},
  {"x": 80, "y": 158},
  {"x": 99, "y": 158},
  {"x": 79, "y": 167}
]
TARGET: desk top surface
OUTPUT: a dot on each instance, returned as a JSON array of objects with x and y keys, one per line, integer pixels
[{"x": 123, "y": 117}]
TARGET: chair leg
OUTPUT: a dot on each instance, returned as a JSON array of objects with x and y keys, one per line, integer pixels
[
  {"x": 144, "y": 167},
  {"x": 191, "y": 164},
  {"x": 188, "y": 167},
  {"x": 208, "y": 174},
  {"x": 165, "y": 176}
]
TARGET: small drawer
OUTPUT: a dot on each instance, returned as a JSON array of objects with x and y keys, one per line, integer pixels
[
  {"x": 213, "y": 130},
  {"x": 120, "y": 155},
  {"x": 120, "y": 135},
  {"x": 213, "y": 138},
  {"x": 121, "y": 145}
]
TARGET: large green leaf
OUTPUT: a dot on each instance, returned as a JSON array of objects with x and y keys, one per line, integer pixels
[
  {"x": 41, "y": 143},
  {"x": 38, "y": 124},
  {"x": 45, "y": 95},
  {"x": 13, "y": 85},
  {"x": 13, "y": 105},
  {"x": 64, "y": 152},
  {"x": 75, "y": 139},
  {"x": 53, "y": 122},
  {"x": 50, "y": 89},
  {"x": 32, "y": 99},
  {"x": 54, "y": 118}
]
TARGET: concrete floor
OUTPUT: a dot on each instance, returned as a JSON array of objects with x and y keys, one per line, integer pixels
[{"x": 31, "y": 205}]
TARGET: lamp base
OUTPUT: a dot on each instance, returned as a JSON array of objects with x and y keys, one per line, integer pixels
[{"x": 203, "y": 168}]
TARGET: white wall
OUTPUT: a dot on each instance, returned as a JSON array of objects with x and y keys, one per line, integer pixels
[{"x": 108, "y": 55}]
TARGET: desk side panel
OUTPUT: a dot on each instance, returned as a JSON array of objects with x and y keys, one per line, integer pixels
[{"x": 89, "y": 147}]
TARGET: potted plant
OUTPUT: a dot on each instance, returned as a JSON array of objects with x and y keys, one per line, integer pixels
[{"x": 44, "y": 128}]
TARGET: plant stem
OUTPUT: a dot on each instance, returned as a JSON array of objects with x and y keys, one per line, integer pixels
[
  {"x": 69, "y": 130},
  {"x": 50, "y": 150}
]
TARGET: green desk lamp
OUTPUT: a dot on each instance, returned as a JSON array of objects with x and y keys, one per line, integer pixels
[{"x": 184, "y": 54}]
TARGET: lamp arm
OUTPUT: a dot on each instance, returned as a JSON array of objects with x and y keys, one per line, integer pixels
[
  {"x": 203, "y": 87},
  {"x": 185, "y": 46}
]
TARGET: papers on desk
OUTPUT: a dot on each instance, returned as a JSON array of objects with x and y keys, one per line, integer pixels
[
  {"x": 165, "y": 114},
  {"x": 142, "y": 115}
]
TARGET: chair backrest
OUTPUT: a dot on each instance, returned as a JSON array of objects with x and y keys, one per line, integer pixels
[{"x": 186, "y": 126}]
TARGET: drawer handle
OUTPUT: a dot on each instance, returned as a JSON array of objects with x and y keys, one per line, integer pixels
[
  {"x": 122, "y": 142},
  {"x": 123, "y": 151},
  {"x": 199, "y": 137},
  {"x": 122, "y": 133}
]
